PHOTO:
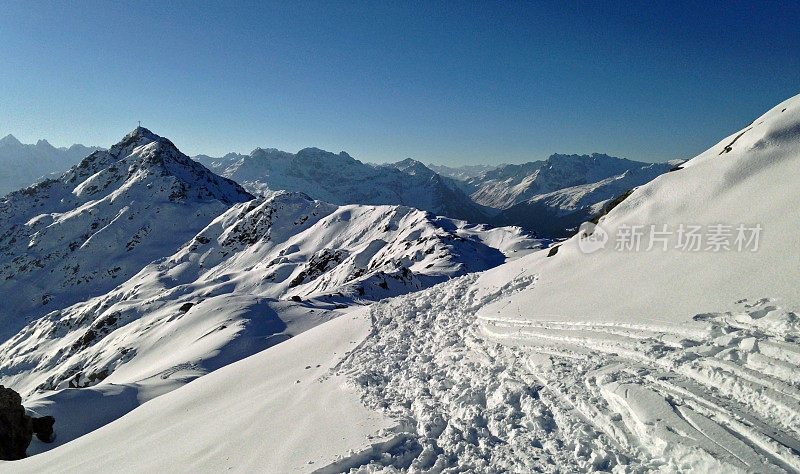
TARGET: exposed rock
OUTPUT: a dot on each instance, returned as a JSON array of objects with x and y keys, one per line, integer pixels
[
  {"x": 17, "y": 428},
  {"x": 43, "y": 428}
]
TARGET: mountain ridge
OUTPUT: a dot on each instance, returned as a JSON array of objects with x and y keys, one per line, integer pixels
[
  {"x": 25, "y": 164},
  {"x": 61, "y": 238}
]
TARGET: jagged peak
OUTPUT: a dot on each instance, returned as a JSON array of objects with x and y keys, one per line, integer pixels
[
  {"x": 141, "y": 132},
  {"x": 584, "y": 157},
  {"x": 266, "y": 153},
  {"x": 9, "y": 140},
  {"x": 409, "y": 161},
  {"x": 314, "y": 152},
  {"x": 412, "y": 166}
]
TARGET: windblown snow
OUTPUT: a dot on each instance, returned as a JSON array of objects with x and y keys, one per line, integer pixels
[{"x": 438, "y": 346}]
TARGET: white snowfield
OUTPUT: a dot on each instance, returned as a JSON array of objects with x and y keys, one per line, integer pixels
[
  {"x": 278, "y": 411},
  {"x": 654, "y": 360}
]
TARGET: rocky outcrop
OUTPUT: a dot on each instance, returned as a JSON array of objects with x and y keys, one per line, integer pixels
[{"x": 17, "y": 428}]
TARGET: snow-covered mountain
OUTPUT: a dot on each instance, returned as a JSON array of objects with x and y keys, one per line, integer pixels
[
  {"x": 260, "y": 273},
  {"x": 67, "y": 239},
  {"x": 559, "y": 213},
  {"x": 341, "y": 179},
  {"x": 464, "y": 172},
  {"x": 22, "y": 164},
  {"x": 554, "y": 196},
  {"x": 513, "y": 184},
  {"x": 550, "y": 197},
  {"x": 584, "y": 357}
]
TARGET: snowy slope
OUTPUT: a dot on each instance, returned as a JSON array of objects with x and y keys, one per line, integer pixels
[
  {"x": 660, "y": 360},
  {"x": 259, "y": 274},
  {"x": 341, "y": 179},
  {"x": 627, "y": 361},
  {"x": 751, "y": 183},
  {"x": 78, "y": 236},
  {"x": 22, "y": 164},
  {"x": 238, "y": 418},
  {"x": 681, "y": 352}
]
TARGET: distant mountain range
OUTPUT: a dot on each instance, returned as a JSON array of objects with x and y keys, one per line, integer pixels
[
  {"x": 550, "y": 197},
  {"x": 464, "y": 172},
  {"x": 341, "y": 179},
  {"x": 22, "y": 165},
  {"x": 553, "y": 197}
]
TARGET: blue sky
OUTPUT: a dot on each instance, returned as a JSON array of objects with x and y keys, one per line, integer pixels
[{"x": 445, "y": 82}]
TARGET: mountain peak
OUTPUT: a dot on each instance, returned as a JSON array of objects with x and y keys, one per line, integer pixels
[
  {"x": 408, "y": 162},
  {"x": 137, "y": 137},
  {"x": 266, "y": 153},
  {"x": 9, "y": 140},
  {"x": 575, "y": 156},
  {"x": 140, "y": 133},
  {"x": 412, "y": 166}
]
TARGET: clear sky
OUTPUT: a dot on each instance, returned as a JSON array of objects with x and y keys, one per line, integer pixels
[{"x": 446, "y": 82}]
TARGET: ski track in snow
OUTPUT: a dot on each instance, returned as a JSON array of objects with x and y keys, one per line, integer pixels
[{"x": 498, "y": 394}]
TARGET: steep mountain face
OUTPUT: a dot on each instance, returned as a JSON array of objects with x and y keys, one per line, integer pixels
[
  {"x": 22, "y": 165},
  {"x": 553, "y": 197},
  {"x": 260, "y": 273},
  {"x": 499, "y": 181},
  {"x": 341, "y": 179},
  {"x": 80, "y": 235}
]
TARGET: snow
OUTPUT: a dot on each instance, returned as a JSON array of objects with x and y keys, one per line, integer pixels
[
  {"x": 278, "y": 411},
  {"x": 749, "y": 185},
  {"x": 340, "y": 179},
  {"x": 228, "y": 293},
  {"x": 554, "y": 361},
  {"x": 81, "y": 235}
]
